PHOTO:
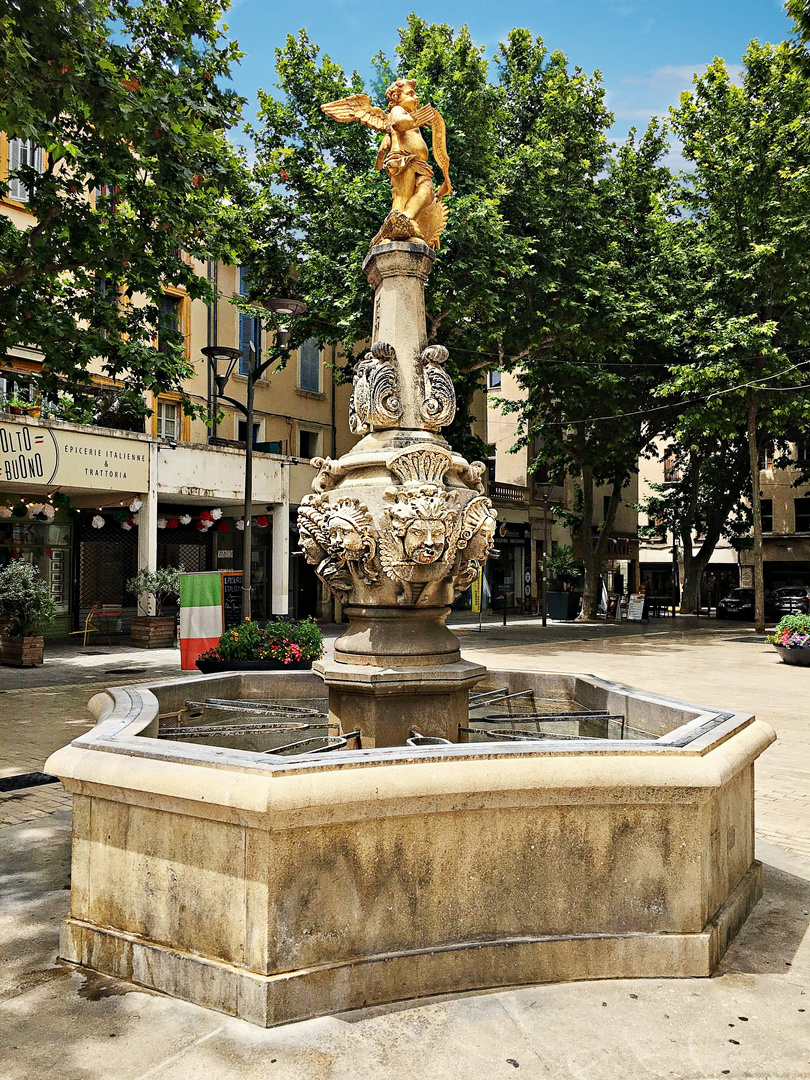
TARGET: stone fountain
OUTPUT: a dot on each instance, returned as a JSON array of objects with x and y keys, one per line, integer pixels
[
  {"x": 400, "y": 526},
  {"x": 277, "y": 884}
]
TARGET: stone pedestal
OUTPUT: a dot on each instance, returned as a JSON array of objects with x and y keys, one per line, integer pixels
[
  {"x": 386, "y": 703},
  {"x": 399, "y": 526}
]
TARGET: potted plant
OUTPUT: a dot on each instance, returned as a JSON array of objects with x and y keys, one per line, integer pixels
[
  {"x": 282, "y": 645},
  {"x": 791, "y": 639},
  {"x": 26, "y": 607},
  {"x": 563, "y": 601},
  {"x": 16, "y": 405},
  {"x": 154, "y": 631}
]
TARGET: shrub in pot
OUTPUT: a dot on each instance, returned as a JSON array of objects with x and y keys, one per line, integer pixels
[
  {"x": 154, "y": 631},
  {"x": 563, "y": 600},
  {"x": 26, "y": 608},
  {"x": 791, "y": 639},
  {"x": 283, "y": 644}
]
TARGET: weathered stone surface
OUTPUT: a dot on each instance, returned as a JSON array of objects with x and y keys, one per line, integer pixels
[{"x": 277, "y": 890}]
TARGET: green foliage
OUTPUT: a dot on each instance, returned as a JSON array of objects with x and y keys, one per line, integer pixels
[
  {"x": 799, "y": 624},
  {"x": 284, "y": 640},
  {"x": 562, "y": 565},
  {"x": 130, "y": 105},
  {"x": 24, "y": 600},
  {"x": 159, "y": 584},
  {"x": 791, "y": 632}
]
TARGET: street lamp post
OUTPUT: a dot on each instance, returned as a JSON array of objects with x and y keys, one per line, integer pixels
[
  {"x": 282, "y": 309},
  {"x": 545, "y": 494}
]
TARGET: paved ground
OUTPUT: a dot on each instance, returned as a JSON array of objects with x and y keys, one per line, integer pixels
[{"x": 752, "y": 1019}]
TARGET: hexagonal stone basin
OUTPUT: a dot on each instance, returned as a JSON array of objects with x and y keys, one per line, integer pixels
[{"x": 279, "y": 886}]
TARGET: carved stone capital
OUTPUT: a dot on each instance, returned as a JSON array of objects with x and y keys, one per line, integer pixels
[
  {"x": 375, "y": 403},
  {"x": 438, "y": 396}
]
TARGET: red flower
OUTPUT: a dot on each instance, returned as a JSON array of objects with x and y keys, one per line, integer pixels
[
  {"x": 132, "y": 521},
  {"x": 172, "y": 523},
  {"x": 262, "y": 521},
  {"x": 206, "y": 516},
  {"x": 222, "y": 526},
  {"x": 284, "y": 174},
  {"x": 201, "y": 526}
]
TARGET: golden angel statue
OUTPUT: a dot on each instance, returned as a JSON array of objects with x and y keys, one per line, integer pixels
[{"x": 417, "y": 211}]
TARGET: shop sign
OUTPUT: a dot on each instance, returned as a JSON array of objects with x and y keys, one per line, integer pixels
[
  {"x": 477, "y": 586},
  {"x": 33, "y": 454},
  {"x": 512, "y": 534}
]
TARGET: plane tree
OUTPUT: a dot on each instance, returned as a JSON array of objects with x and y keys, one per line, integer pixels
[{"x": 121, "y": 173}]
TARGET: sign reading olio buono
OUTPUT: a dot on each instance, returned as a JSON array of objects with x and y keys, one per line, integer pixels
[{"x": 34, "y": 454}]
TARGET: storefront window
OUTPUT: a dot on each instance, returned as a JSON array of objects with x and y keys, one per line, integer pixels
[{"x": 47, "y": 547}]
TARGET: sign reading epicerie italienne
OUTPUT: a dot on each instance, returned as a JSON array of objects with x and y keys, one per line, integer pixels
[{"x": 34, "y": 455}]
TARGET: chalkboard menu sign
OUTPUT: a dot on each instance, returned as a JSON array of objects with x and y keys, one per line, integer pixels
[{"x": 231, "y": 598}]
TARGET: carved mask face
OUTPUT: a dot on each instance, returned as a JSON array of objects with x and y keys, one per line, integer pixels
[
  {"x": 424, "y": 541},
  {"x": 481, "y": 543},
  {"x": 344, "y": 539},
  {"x": 311, "y": 549}
]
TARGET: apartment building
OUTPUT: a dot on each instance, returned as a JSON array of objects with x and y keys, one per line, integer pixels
[
  {"x": 785, "y": 502},
  {"x": 525, "y": 502},
  {"x": 90, "y": 503},
  {"x": 660, "y": 558}
]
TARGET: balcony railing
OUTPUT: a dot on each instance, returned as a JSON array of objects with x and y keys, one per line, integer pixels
[{"x": 508, "y": 492}]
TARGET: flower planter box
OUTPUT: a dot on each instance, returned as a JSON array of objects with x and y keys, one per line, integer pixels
[
  {"x": 795, "y": 657},
  {"x": 25, "y": 653},
  {"x": 152, "y": 632},
  {"x": 563, "y": 606},
  {"x": 208, "y": 667}
]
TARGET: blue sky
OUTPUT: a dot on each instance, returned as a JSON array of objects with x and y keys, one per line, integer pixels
[{"x": 646, "y": 50}]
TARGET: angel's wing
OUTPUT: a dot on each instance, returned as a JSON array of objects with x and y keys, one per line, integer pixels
[
  {"x": 424, "y": 116},
  {"x": 357, "y": 107}
]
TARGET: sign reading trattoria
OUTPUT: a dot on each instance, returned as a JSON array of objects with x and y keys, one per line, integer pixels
[{"x": 35, "y": 454}]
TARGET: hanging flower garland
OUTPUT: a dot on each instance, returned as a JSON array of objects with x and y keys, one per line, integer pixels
[
  {"x": 97, "y": 522},
  {"x": 241, "y": 524},
  {"x": 60, "y": 499},
  {"x": 262, "y": 521},
  {"x": 185, "y": 519},
  {"x": 135, "y": 505},
  {"x": 5, "y": 511},
  {"x": 20, "y": 510},
  {"x": 223, "y": 526},
  {"x": 172, "y": 523},
  {"x": 161, "y": 523}
]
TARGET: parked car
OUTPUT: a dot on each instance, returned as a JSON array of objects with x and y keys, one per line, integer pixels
[
  {"x": 789, "y": 600},
  {"x": 739, "y": 604}
]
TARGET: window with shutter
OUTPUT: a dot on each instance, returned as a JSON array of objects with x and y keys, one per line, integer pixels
[
  {"x": 168, "y": 419},
  {"x": 249, "y": 330},
  {"x": 22, "y": 154},
  {"x": 309, "y": 366}
]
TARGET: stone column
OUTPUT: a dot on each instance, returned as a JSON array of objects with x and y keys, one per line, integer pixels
[
  {"x": 395, "y": 527},
  {"x": 281, "y": 548},
  {"x": 397, "y": 272},
  {"x": 147, "y": 529}
]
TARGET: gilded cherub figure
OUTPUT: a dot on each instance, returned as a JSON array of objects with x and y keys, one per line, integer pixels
[{"x": 417, "y": 211}]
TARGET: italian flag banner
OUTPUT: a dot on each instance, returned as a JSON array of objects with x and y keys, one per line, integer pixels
[{"x": 200, "y": 615}]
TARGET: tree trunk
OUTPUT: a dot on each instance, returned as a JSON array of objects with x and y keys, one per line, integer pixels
[
  {"x": 590, "y": 590},
  {"x": 694, "y": 566},
  {"x": 593, "y": 546},
  {"x": 756, "y": 508}
]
